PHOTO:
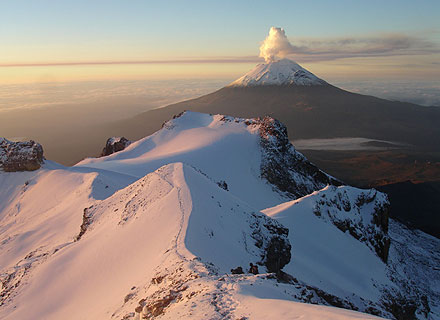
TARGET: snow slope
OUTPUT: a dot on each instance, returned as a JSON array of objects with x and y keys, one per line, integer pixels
[
  {"x": 345, "y": 265},
  {"x": 41, "y": 208},
  {"x": 174, "y": 223},
  {"x": 278, "y": 73},
  {"x": 225, "y": 148},
  {"x": 327, "y": 258},
  {"x": 154, "y": 231}
]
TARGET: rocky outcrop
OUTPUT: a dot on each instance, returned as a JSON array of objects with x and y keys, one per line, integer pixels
[
  {"x": 361, "y": 213},
  {"x": 272, "y": 239},
  {"x": 87, "y": 220},
  {"x": 284, "y": 167},
  {"x": 20, "y": 156},
  {"x": 115, "y": 144},
  {"x": 413, "y": 267},
  {"x": 277, "y": 254}
]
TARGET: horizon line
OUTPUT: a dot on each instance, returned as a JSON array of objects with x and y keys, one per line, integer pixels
[{"x": 120, "y": 62}]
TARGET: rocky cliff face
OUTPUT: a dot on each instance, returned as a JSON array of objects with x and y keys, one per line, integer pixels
[
  {"x": 287, "y": 170},
  {"x": 115, "y": 144},
  {"x": 284, "y": 167},
  {"x": 361, "y": 213},
  {"x": 272, "y": 238},
  {"x": 413, "y": 267},
  {"x": 20, "y": 156}
]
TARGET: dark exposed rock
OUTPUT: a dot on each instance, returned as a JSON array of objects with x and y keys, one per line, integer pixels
[
  {"x": 115, "y": 144},
  {"x": 157, "y": 307},
  {"x": 253, "y": 269},
  {"x": 238, "y": 270},
  {"x": 138, "y": 309},
  {"x": 20, "y": 156},
  {"x": 284, "y": 167},
  {"x": 381, "y": 241},
  {"x": 405, "y": 304},
  {"x": 365, "y": 218},
  {"x": 128, "y": 297},
  {"x": 277, "y": 254},
  {"x": 157, "y": 280},
  {"x": 128, "y": 316},
  {"x": 413, "y": 269},
  {"x": 402, "y": 308},
  {"x": 222, "y": 184},
  {"x": 272, "y": 238},
  {"x": 87, "y": 220},
  {"x": 314, "y": 295}
]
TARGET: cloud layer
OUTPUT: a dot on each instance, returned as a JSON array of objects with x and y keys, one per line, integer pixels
[
  {"x": 381, "y": 45},
  {"x": 244, "y": 59},
  {"x": 277, "y": 46}
]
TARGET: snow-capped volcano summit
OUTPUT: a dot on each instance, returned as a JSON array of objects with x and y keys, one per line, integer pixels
[{"x": 279, "y": 73}]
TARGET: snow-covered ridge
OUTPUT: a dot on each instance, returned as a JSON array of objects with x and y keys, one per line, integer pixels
[
  {"x": 361, "y": 213},
  {"x": 253, "y": 156},
  {"x": 278, "y": 73},
  {"x": 335, "y": 234},
  {"x": 155, "y": 229}
]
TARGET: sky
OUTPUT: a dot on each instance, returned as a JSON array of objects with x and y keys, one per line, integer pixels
[
  {"x": 393, "y": 46},
  {"x": 92, "y": 40}
]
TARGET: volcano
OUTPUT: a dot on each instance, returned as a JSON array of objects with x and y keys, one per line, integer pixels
[
  {"x": 309, "y": 107},
  {"x": 280, "y": 73}
]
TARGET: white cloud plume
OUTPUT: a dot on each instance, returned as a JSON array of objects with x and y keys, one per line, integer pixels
[{"x": 276, "y": 45}]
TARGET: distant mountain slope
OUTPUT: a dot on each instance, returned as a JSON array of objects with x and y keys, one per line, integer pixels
[
  {"x": 278, "y": 73},
  {"x": 308, "y": 111},
  {"x": 415, "y": 204}
]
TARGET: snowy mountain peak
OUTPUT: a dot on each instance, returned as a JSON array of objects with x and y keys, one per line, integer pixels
[
  {"x": 228, "y": 149},
  {"x": 278, "y": 73}
]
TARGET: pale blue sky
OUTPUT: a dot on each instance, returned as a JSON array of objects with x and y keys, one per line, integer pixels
[
  {"x": 47, "y": 31},
  {"x": 208, "y": 27}
]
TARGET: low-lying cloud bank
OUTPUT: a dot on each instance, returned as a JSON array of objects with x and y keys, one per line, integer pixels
[
  {"x": 425, "y": 93},
  {"x": 345, "y": 144},
  {"x": 145, "y": 94},
  {"x": 277, "y": 46},
  {"x": 137, "y": 96}
]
